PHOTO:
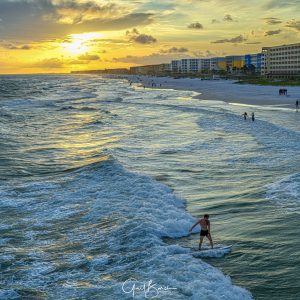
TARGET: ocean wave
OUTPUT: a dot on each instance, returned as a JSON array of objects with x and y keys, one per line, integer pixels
[
  {"x": 285, "y": 192},
  {"x": 98, "y": 226}
]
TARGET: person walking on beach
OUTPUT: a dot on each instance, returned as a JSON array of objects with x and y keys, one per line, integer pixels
[
  {"x": 297, "y": 105},
  {"x": 245, "y": 115},
  {"x": 205, "y": 230},
  {"x": 253, "y": 117}
]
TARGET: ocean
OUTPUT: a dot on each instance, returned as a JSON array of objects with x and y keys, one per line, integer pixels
[{"x": 101, "y": 180}]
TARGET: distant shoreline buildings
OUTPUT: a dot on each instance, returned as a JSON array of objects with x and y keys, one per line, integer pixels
[{"x": 273, "y": 62}]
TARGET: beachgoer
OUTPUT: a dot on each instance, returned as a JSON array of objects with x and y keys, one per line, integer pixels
[
  {"x": 205, "y": 230},
  {"x": 245, "y": 115},
  {"x": 253, "y": 117},
  {"x": 297, "y": 105}
]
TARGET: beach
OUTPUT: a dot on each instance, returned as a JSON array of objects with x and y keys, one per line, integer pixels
[
  {"x": 102, "y": 180},
  {"x": 225, "y": 90}
]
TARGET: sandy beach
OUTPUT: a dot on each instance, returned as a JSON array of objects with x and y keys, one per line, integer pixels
[{"x": 225, "y": 90}]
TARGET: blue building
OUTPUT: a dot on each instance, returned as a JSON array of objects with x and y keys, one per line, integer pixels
[{"x": 257, "y": 60}]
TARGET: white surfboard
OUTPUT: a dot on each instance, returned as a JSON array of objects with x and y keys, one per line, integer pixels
[{"x": 217, "y": 251}]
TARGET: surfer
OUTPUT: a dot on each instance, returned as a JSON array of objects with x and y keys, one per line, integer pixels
[{"x": 205, "y": 230}]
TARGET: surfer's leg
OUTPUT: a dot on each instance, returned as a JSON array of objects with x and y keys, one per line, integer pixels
[
  {"x": 210, "y": 241},
  {"x": 200, "y": 243}
]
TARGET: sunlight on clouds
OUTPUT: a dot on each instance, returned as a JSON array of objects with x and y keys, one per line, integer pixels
[
  {"x": 78, "y": 42},
  {"x": 65, "y": 35}
]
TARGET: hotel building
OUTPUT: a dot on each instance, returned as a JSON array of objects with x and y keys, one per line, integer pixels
[
  {"x": 190, "y": 65},
  {"x": 282, "y": 61},
  {"x": 257, "y": 61}
]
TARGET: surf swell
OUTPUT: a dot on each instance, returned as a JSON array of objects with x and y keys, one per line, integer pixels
[{"x": 90, "y": 230}]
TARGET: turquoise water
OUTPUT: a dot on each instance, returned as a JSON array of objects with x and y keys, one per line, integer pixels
[{"x": 100, "y": 182}]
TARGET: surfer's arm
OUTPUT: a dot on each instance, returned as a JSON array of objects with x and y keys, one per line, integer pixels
[{"x": 194, "y": 225}]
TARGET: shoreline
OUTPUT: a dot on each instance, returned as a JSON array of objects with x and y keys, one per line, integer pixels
[{"x": 223, "y": 90}]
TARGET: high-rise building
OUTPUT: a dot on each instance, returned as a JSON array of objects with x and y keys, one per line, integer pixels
[{"x": 282, "y": 61}]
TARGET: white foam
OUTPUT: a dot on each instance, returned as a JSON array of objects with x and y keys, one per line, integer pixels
[
  {"x": 124, "y": 215},
  {"x": 285, "y": 192}
]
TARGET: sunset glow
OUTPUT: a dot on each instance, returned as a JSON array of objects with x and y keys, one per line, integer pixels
[{"x": 61, "y": 36}]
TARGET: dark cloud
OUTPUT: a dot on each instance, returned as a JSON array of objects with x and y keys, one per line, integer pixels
[
  {"x": 294, "y": 25},
  {"x": 50, "y": 63},
  {"x": 237, "y": 39},
  {"x": 76, "y": 62},
  {"x": 175, "y": 50},
  {"x": 214, "y": 21},
  {"x": 89, "y": 57},
  {"x": 272, "y": 4},
  {"x": 253, "y": 43},
  {"x": 154, "y": 58},
  {"x": 140, "y": 38},
  {"x": 56, "y": 63},
  {"x": 144, "y": 39},
  {"x": 47, "y": 19},
  {"x": 15, "y": 47},
  {"x": 73, "y": 12},
  {"x": 196, "y": 25},
  {"x": 272, "y": 21},
  {"x": 272, "y": 32},
  {"x": 228, "y": 18}
]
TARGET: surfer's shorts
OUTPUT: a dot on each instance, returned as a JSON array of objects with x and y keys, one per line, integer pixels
[{"x": 204, "y": 233}]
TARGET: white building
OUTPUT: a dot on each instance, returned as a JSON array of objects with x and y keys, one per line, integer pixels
[
  {"x": 282, "y": 60},
  {"x": 175, "y": 66},
  {"x": 190, "y": 65}
]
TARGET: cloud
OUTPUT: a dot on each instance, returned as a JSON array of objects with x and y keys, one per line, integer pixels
[
  {"x": 154, "y": 58},
  {"x": 237, "y": 39},
  {"x": 144, "y": 39},
  {"x": 294, "y": 25},
  {"x": 74, "y": 12},
  {"x": 87, "y": 56},
  {"x": 253, "y": 43},
  {"x": 272, "y": 21},
  {"x": 214, "y": 21},
  {"x": 205, "y": 54},
  {"x": 56, "y": 63},
  {"x": 228, "y": 18},
  {"x": 196, "y": 25},
  {"x": 175, "y": 50},
  {"x": 50, "y": 63},
  {"x": 15, "y": 47},
  {"x": 48, "y": 19},
  {"x": 273, "y": 4},
  {"x": 272, "y": 32},
  {"x": 140, "y": 38}
]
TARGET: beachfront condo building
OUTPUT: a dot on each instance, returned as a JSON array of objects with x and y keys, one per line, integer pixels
[
  {"x": 150, "y": 69},
  {"x": 190, "y": 65},
  {"x": 228, "y": 63},
  {"x": 255, "y": 62},
  {"x": 282, "y": 61}
]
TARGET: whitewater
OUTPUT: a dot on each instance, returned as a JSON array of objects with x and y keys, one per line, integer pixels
[{"x": 101, "y": 180}]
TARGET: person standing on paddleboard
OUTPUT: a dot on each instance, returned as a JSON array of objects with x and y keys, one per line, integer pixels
[{"x": 205, "y": 230}]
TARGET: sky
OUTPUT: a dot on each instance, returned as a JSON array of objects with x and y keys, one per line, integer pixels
[{"x": 59, "y": 36}]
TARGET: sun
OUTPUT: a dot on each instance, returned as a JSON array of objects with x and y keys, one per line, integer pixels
[
  {"x": 75, "y": 47},
  {"x": 78, "y": 43}
]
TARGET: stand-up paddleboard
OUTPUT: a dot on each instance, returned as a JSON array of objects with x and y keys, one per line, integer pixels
[{"x": 217, "y": 251}]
